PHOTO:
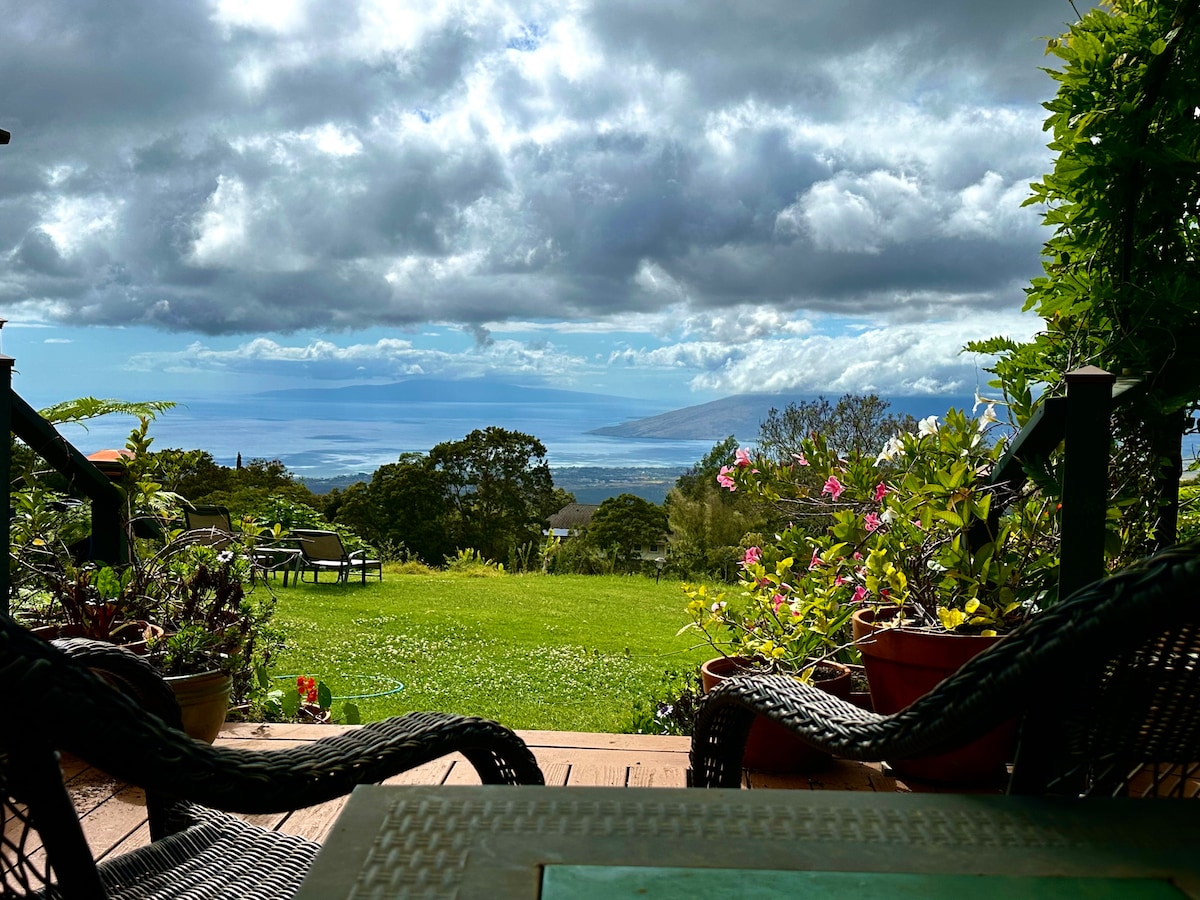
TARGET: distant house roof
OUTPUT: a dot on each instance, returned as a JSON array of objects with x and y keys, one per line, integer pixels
[{"x": 573, "y": 516}]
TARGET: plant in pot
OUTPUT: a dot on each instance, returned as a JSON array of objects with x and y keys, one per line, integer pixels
[
  {"x": 217, "y": 635},
  {"x": 773, "y": 626},
  {"x": 921, "y": 549}
]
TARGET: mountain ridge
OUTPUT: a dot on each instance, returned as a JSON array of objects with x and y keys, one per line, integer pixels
[{"x": 742, "y": 415}]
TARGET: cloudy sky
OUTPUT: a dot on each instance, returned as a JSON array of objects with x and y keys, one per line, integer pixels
[{"x": 661, "y": 198}]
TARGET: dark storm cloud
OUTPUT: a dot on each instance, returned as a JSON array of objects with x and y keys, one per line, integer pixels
[{"x": 345, "y": 165}]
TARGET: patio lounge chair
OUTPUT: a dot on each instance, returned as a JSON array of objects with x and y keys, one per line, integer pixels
[
  {"x": 1106, "y": 685},
  {"x": 134, "y": 735},
  {"x": 323, "y": 552},
  {"x": 209, "y": 525}
]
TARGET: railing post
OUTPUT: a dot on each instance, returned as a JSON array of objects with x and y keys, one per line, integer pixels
[
  {"x": 6, "y": 368},
  {"x": 1086, "y": 439}
]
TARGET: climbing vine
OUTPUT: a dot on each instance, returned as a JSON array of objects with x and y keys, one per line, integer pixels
[{"x": 1121, "y": 288}]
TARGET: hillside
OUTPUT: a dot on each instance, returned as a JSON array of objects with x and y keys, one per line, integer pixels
[{"x": 742, "y": 415}]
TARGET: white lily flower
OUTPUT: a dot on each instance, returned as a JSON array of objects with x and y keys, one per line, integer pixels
[
  {"x": 890, "y": 451},
  {"x": 988, "y": 417},
  {"x": 928, "y": 425}
]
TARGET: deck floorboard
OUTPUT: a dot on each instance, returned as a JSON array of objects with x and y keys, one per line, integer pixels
[{"x": 114, "y": 814}]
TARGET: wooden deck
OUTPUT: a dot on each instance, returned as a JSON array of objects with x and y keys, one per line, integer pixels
[{"x": 114, "y": 815}]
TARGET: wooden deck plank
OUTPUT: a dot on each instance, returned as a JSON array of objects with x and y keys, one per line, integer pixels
[
  {"x": 657, "y": 776},
  {"x": 114, "y": 816},
  {"x": 313, "y": 822}
]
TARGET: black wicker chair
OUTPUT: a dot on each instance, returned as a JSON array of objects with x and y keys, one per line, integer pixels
[
  {"x": 1106, "y": 685},
  {"x": 58, "y": 699}
]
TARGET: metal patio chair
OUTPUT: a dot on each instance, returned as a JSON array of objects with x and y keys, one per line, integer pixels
[{"x": 323, "y": 551}]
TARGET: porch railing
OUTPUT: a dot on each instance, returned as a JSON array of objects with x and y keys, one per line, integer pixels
[{"x": 109, "y": 541}]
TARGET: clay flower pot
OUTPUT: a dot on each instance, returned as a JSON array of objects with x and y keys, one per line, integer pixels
[
  {"x": 770, "y": 747},
  {"x": 903, "y": 664}
]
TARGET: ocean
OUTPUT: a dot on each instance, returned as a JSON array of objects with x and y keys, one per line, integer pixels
[{"x": 327, "y": 439}]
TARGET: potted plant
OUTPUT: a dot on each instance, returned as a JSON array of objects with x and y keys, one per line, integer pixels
[
  {"x": 216, "y": 634},
  {"x": 914, "y": 547},
  {"x": 769, "y": 628}
]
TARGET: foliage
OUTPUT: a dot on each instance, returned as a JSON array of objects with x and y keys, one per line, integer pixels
[
  {"x": 306, "y": 701},
  {"x": 671, "y": 708},
  {"x": 916, "y": 527},
  {"x": 707, "y": 524},
  {"x": 694, "y": 483},
  {"x": 1121, "y": 270},
  {"x": 623, "y": 524},
  {"x": 857, "y": 423},
  {"x": 84, "y": 409},
  {"x": 499, "y": 488},
  {"x": 404, "y": 505},
  {"x": 471, "y": 563}
]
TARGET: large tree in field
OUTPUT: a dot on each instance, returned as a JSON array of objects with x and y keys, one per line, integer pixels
[
  {"x": 499, "y": 487},
  {"x": 1122, "y": 280}
]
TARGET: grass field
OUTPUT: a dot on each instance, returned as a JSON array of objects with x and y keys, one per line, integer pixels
[{"x": 560, "y": 652}]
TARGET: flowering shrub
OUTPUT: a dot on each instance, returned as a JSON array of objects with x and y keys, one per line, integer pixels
[{"x": 916, "y": 527}]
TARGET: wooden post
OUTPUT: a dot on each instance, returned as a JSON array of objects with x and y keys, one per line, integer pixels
[
  {"x": 1085, "y": 477},
  {"x": 6, "y": 367}
]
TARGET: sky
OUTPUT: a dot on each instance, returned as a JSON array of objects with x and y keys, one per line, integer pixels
[{"x": 649, "y": 198}]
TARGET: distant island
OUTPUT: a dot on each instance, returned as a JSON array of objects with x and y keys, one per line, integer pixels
[{"x": 742, "y": 415}]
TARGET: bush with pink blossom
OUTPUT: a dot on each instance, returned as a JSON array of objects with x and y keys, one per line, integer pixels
[{"x": 916, "y": 527}]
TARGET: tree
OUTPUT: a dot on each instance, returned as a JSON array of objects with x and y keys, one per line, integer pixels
[
  {"x": 858, "y": 423},
  {"x": 707, "y": 524},
  {"x": 694, "y": 483},
  {"x": 190, "y": 473},
  {"x": 1122, "y": 277},
  {"x": 405, "y": 505},
  {"x": 500, "y": 489},
  {"x": 624, "y": 523}
]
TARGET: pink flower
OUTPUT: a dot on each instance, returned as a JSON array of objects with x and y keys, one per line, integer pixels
[
  {"x": 833, "y": 488},
  {"x": 752, "y": 556},
  {"x": 801, "y": 460},
  {"x": 881, "y": 491},
  {"x": 871, "y": 521},
  {"x": 838, "y": 581},
  {"x": 724, "y": 480},
  {"x": 816, "y": 561},
  {"x": 741, "y": 458},
  {"x": 778, "y": 601},
  {"x": 860, "y": 594}
]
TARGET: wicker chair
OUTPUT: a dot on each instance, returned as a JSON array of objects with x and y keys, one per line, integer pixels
[
  {"x": 1106, "y": 685},
  {"x": 133, "y": 733}
]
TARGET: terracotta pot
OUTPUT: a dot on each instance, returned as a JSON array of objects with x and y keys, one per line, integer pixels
[
  {"x": 770, "y": 747},
  {"x": 203, "y": 700},
  {"x": 903, "y": 664}
]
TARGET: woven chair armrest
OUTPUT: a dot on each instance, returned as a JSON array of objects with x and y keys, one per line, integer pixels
[
  {"x": 128, "y": 672},
  {"x": 266, "y": 781},
  {"x": 827, "y": 723}
]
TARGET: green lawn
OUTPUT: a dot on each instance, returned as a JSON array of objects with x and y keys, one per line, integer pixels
[{"x": 561, "y": 652}]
